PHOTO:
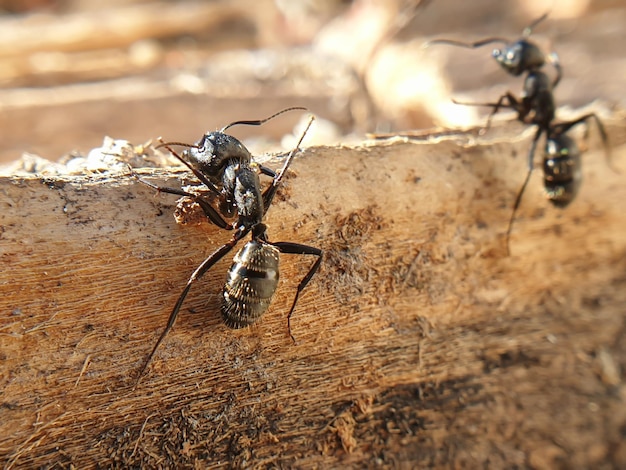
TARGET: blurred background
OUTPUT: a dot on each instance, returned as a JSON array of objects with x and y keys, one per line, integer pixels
[{"x": 75, "y": 71}]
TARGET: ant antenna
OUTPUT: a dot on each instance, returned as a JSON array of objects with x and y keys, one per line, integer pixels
[
  {"x": 181, "y": 144},
  {"x": 483, "y": 42},
  {"x": 257, "y": 122},
  {"x": 473, "y": 45},
  {"x": 281, "y": 173},
  {"x": 528, "y": 30},
  {"x": 263, "y": 121}
]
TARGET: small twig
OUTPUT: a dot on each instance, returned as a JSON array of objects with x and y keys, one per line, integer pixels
[
  {"x": 82, "y": 371},
  {"x": 143, "y": 427},
  {"x": 42, "y": 324}
]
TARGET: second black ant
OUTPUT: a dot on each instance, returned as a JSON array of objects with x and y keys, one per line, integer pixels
[
  {"x": 536, "y": 106},
  {"x": 226, "y": 168}
]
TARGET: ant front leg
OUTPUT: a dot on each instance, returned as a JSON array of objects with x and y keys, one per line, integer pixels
[
  {"x": 298, "y": 249},
  {"x": 267, "y": 171},
  {"x": 508, "y": 100},
  {"x": 512, "y": 102},
  {"x": 212, "y": 214}
]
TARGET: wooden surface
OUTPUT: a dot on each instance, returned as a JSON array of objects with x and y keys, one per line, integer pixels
[{"x": 419, "y": 343}]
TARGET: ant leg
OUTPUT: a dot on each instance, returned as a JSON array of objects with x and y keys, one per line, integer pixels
[
  {"x": 197, "y": 274},
  {"x": 267, "y": 171},
  {"x": 520, "y": 193},
  {"x": 270, "y": 192},
  {"x": 533, "y": 147},
  {"x": 298, "y": 249},
  {"x": 198, "y": 174},
  {"x": 566, "y": 126},
  {"x": 208, "y": 210},
  {"x": 513, "y": 103},
  {"x": 518, "y": 199}
]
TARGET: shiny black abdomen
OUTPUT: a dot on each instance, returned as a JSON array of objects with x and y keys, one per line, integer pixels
[
  {"x": 562, "y": 171},
  {"x": 250, "y": 284}
]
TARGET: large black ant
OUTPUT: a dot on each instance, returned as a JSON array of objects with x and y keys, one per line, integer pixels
[
  {"x": 561, "y": 161},
  {"x": 225, "y": 166},
  {"x": 515, "y": 57}
]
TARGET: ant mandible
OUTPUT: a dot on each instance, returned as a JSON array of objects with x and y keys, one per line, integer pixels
[{"x": 253, "y": 277}]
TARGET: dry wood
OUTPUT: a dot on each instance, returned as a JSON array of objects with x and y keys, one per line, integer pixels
[{"x": 418, "y": 343}]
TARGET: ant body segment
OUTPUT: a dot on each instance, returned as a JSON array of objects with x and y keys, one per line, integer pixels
[{"x": 225, "y": 166}]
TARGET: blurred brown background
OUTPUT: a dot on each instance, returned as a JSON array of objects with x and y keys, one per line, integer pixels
[{"x": 72, "y": 72}]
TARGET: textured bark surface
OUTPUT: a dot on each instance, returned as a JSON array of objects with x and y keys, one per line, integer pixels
[{"x": 418, "y": 342}]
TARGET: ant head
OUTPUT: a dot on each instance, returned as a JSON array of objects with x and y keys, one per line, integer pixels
[
  {"x": 212, "y": 153},
  {"x": 519, "y": 57}
]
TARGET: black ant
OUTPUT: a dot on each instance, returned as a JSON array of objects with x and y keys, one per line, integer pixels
[
  {"x": 562, "y": 157},
  {"x": 561, "y": 161},
  {"x": 515, "y": 57},
  {"x": 222, "y": 161}
]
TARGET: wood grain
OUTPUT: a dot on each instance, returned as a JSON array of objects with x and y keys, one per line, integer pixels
[{"x": 419, "y": 343}]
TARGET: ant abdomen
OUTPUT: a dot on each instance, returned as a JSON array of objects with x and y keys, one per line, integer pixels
[
  {"x": 562, "y": 170},
  {"x": 250, "y": 284}
]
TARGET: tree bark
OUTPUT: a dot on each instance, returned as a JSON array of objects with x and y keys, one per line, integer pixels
[{"x": 419, "y": 342}]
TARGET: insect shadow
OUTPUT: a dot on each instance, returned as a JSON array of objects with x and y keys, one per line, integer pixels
[{"x": 224, "y": 165}]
